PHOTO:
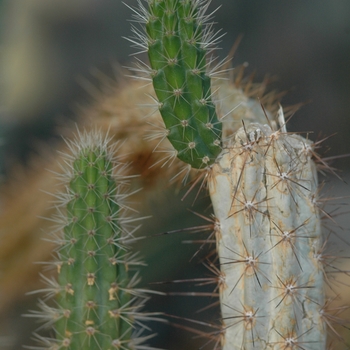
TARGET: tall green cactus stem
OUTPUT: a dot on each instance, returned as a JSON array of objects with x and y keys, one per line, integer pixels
[
  {"x": 263, "y": 189},
  {"x": 178, "y": 40},
  {"x": 97, "y": 304}
]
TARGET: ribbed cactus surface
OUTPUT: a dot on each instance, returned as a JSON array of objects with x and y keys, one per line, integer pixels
[
  {"x": 178, "y": 41},
  {"x": 97, "y": 303},
  {"x": 263, "y": 188}
]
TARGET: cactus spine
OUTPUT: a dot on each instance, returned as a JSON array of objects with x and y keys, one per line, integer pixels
[
  {"x": 97, "y": 303},
  {"x": 263, "y": 187}
]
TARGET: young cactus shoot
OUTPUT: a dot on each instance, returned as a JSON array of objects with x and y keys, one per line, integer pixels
[
  {"x": 178, "y": 39},
  {"x": 97, "y": 304}
]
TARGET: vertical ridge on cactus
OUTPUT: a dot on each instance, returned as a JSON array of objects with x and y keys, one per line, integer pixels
[{"x": 97, "y": 304}]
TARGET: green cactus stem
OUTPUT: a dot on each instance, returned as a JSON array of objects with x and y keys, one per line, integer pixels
[
  {"x": 178, "y": 40},
  {"x": 97, "y": 303}
]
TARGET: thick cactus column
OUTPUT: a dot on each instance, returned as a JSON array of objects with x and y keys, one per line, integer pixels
[
  {"x": 262, "y": 189},
  {"x": 97, "y": 304},
  {"x": 177, "y": 40}
]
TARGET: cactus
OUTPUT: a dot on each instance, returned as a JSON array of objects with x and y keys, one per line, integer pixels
[
  {"x": 177, "y": 44},
  {"x": 97, "y": 304},
  {"x": 263, "y": 186}
]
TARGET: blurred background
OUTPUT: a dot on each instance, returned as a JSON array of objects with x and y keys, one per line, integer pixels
[{"x": 49, "y": 48}]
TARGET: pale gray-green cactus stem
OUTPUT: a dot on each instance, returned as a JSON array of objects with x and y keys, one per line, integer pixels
[{"x": 262, "y": 188}]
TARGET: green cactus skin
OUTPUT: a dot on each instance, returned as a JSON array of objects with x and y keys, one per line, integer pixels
[
  {"x": 263, "y": 189},
  {"x": 97, "y": 304},
  {"x": 177, "y": 43}
]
